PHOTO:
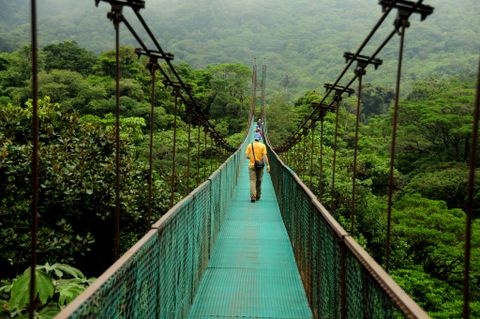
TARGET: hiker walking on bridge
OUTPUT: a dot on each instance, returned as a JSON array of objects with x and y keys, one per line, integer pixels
[{"x": 257, "y": 154}]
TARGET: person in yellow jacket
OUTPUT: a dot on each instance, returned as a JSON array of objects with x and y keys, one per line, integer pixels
[{"x": 256, "y": 151}]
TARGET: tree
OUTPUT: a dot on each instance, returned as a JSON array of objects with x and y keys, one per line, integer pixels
[
  {"x": 375, "y": 100},
  {"x": 68, "y": 56},
  {"x": 55, "y": 286},
  {"x": 77, "y": 188},
  {"x": 129, "y": 64},
  {"x": 436, "y": 124},
  {"x": 435, "y": 237}
]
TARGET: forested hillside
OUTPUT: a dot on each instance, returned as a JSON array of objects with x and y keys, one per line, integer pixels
[{"x": 303, "y": 40}]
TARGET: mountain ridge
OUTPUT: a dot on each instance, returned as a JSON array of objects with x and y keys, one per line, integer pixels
[{"x": 304, "y": 40}]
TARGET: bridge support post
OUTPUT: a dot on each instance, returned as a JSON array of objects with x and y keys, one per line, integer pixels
[
  {"x": 312, "y": 148},
  {"x": 401, "y": 23},
  {"x": 320, "y": 176},
  {"x": 176, "y": 93},
  {"x": 343, "y": 284},
  {"x": 152, "y": 67},
  {"x": 35, "y": 162},
  {"x": 189, "y": 143},
  {"x": 362, "y": 63},
  {"x": 404, "y": 24},
  {"x": 116, "y": 16},
  {"x": 469, "y": 204}
]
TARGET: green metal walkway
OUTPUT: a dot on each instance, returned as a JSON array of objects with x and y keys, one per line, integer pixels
[{"x": 252, "y": 271}]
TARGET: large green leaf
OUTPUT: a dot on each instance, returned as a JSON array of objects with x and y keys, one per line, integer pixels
[
  {"x": 44, "y": 287},
  {"x": 60, "y": 269},
  {"x": 68, "y": 290},
  {"x": 49, "y": 311},
  {"x": 20, "y": 293}
]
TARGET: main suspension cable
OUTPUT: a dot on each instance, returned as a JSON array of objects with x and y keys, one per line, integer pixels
[
  {"x": 136, "y": 5},
  {"x": 207, "y": 123},
  {"x": 407, "y": 9},
  {"x": 359, "y": 50}
]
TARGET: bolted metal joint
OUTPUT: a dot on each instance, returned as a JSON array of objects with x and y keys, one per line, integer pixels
[
  {"x": 134, "y": 4},
  {"x": 360, "y": 71},
  {"x": 408, "y": 7},
  {"x": 322, "y": 107},
  {"x": 153, "y": 53},
  {"x": 152, "y": 64},
  {"x": 405, "y": 10},
  {"x": 400, "y": 23},
  {"x": 339, "y": 90},
  {"x": 362, "y": 60},
  {"x": 115, "y": 15}
]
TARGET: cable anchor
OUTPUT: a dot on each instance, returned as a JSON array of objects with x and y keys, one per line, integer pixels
[
  {"x": 134, "y": 4},
  {"x": 362, "y": 62},
  {"x": 405, "y": 10}
]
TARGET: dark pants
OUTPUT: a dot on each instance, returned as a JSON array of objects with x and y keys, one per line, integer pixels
[{"x": 255, "y": 182}]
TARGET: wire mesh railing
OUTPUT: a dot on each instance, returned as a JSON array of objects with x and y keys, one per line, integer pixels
[
  {"x": 341, "y": 280},
  {"x": 159, "y": 275}
]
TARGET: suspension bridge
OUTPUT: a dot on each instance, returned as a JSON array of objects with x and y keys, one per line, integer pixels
[{"x": 216, "y": 255}]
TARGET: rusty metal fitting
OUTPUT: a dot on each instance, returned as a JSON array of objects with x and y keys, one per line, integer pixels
[
  {"x": 339, "y": 90},
  {"x": 362, "y": 60},
  {"x": 153, "y": 53},
  {"x": 134, "y": 4}
]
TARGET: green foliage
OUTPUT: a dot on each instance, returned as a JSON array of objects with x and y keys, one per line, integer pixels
[
  {"x": 434, "y": 234},
  {"x": 445, "y": 181},
  {"x": 283, "y": 34},
  {"x": 68, "y": 56},
  {"x": 77, "y": 198},
  {"x": 375, "y": 100},
  {"x": 282, "y": 119},
  {"x": 55, "y": 286},
  {"x": 442, "y": 300},
  {"x": 436, "y": 125}
]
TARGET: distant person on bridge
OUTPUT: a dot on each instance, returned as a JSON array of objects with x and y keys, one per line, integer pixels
[
  {"x": 257, "y": 154},
  {"x": 259, "y": 131},
  {"x": 260, "y": 124}
]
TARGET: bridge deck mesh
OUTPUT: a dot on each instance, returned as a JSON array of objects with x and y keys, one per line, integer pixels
[{"x": 252, "y": 271}]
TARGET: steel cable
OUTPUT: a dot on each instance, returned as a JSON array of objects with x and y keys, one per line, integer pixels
[
  {"x": 469, "y": 203},
  {"x": 152, "y": 67},
  {"x": 176, "y": 92},
  {"x": 355, "y": 153},
  {"x": 116, "y": 22},
  {"x": 320, "y": 177},
  {"x": 334, "y": 161},
  {"x": 312, "y": 148},
  {"x": 393, "y": 146},
  {"x": 199, "y": 143},
  {"x": 35, "y": 161},
  {"x": 359, "y": 50},
  {"x": 189, "y": 148}
]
